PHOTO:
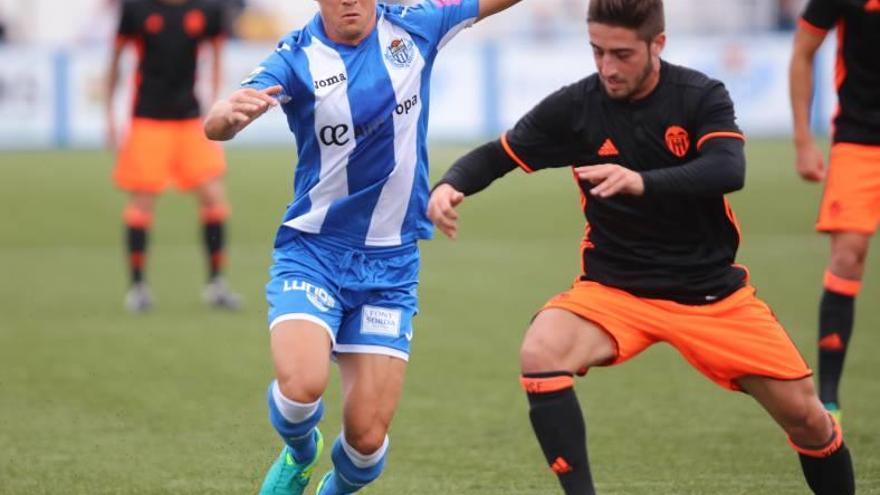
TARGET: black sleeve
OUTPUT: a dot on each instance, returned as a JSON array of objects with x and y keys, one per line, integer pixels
[
  {"x": 216, "y": 25},
  {"x": 822, "y": 14},
  {"x": 720, "y": 169},
  {"x": 720, "y": 166},
  {"x": 127, "y": 23},
  {"x": 474, "y": 171},
  {"x": 715, "y": 116},
  {"x": 543, "y": 138}
]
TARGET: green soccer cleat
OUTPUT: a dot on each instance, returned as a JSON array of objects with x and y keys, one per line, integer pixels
[
  {"x": 286, "y": 477},
  {"x": 835, "y": 412},
  {"x": 324, "y": 480}
]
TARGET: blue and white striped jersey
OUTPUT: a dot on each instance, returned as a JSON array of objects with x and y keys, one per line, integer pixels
[{"x": 360, "y": 118}]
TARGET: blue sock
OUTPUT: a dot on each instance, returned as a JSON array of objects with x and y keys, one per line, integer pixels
[
  {"x": 300, "y": 437},
  {"x": 347, "y": 476}
]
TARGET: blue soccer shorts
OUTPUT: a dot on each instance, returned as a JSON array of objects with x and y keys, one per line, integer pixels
[{"x": 365, "y": 298}]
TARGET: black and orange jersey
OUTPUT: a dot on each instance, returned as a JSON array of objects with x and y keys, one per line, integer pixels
[
  {"x": 857, "y": 71},
  {"x": 167, "y": 35},
  {"x": 678, "y": 241}
]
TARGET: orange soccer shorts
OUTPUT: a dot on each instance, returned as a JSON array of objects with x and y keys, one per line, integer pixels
[
  {"x": 735, "y": 337},
  {"x": 156, "y": 152},
  {"x": 851, "y": 202}
]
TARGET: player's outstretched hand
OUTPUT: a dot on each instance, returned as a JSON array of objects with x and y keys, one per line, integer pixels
[
  {"x": 810, "y": 162},
  {"x": 441, "y": 209},
  {"x": 233, "y": 114},
  {"x": 610, "y": 179}
]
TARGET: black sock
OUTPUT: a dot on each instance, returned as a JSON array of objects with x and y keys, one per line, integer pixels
[
  {"x": 831, "y": 475},
  {"x": 215, "y": 240},
  {"x": 136, "y": 241},
  {"x": 559, "y": 426},
  {"x": 836, "y": 313}
]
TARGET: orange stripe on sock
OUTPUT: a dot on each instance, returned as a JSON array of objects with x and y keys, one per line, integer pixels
[
  {"x": 561, "y": 466},
  {"x": 137, "y": 260},
  {"x": 135, "y": 217},
  {"x": 833, "y": 444},
  {"x": 832, "y": 342},
  {"x": 842, "y": 285},
  {"x": 215, "y": 213},
  {"x": 546, "y": 385},
  {"x": 218, "y": 259}
]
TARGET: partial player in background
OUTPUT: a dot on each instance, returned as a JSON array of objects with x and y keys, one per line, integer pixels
[
  {"x": 355, "y": 85},
  {"x": 165, "y": 143},
  {"x": 654, "y": 149},
  {"x": 850, "y": 209}
]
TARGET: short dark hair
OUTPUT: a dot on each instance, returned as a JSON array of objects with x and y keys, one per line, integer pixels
[{"x": 644, "y": 16}]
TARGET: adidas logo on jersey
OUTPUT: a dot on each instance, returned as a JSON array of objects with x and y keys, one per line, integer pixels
[{"x": 608, "y": 148}]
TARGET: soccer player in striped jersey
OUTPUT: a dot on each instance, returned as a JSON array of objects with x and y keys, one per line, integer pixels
[
  {"x": 354, "y": 84},
  {"x": 654, "y": 148}
]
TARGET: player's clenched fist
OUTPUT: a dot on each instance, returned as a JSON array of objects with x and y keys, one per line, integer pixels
[
  {"x": 441, "y": 209},
  {"x": 228, "y": 117},
  {"x": 810, "y": 163}
]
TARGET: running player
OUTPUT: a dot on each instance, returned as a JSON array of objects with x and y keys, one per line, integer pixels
[
  {"x": 850, "y": 208},
  {"x": 654, "y": 148},
  {"x": 165, "y": 143},
  {"x": 354, "y": 84}
]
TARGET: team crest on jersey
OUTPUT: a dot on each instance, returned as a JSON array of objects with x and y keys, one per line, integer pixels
[
  {"x": 154, "y": 24},
  {"x": 194, "y": 23},
  {"x": 677, "y": 141},
  {"x": 400, "y": 52}
]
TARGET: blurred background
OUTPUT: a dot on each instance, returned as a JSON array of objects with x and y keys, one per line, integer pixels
[
  {"x": 53, "y": 59},
  {"x": 94, "y": 400}
]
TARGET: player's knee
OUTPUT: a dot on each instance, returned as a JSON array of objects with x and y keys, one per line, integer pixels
[
  {"x": 366, "y": 440},
  {"x": 536, "y": 355},
  {"x": 848, "y": 260},
  {"x": 215, "y": 212},
  {"x": 212, "y": 193},
  {"x": 807, "y": 424},
  {"x": 143, "y": 202},
  {"x": 850, "y": 264},
  {"x": 302, "y": 387}
]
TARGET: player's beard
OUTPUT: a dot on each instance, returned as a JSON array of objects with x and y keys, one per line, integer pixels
[{"x": 638, "y": 86}]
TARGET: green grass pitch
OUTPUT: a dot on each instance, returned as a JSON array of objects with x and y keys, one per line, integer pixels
[{"x": 96, "y": 401}]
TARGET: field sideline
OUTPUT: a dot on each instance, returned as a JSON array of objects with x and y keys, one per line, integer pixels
[{"x": 95, "y": 401}]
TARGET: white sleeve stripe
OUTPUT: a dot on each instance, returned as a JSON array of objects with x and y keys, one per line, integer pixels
[
  {"x": 332, "y": 114},
  {"x": 455, "y": 30},
  {"x": 389, "y": 214}
]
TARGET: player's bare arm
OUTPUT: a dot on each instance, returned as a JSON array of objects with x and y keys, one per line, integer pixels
[
  {"x": 217, "y": 67},
  {"x": 810, "y": 162},
  {"x": 491, "y": 7},
  {"x": 112, "y": 82},
  {"x": 611, "y": 179},
  {"x": 229, "y": 116}
]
